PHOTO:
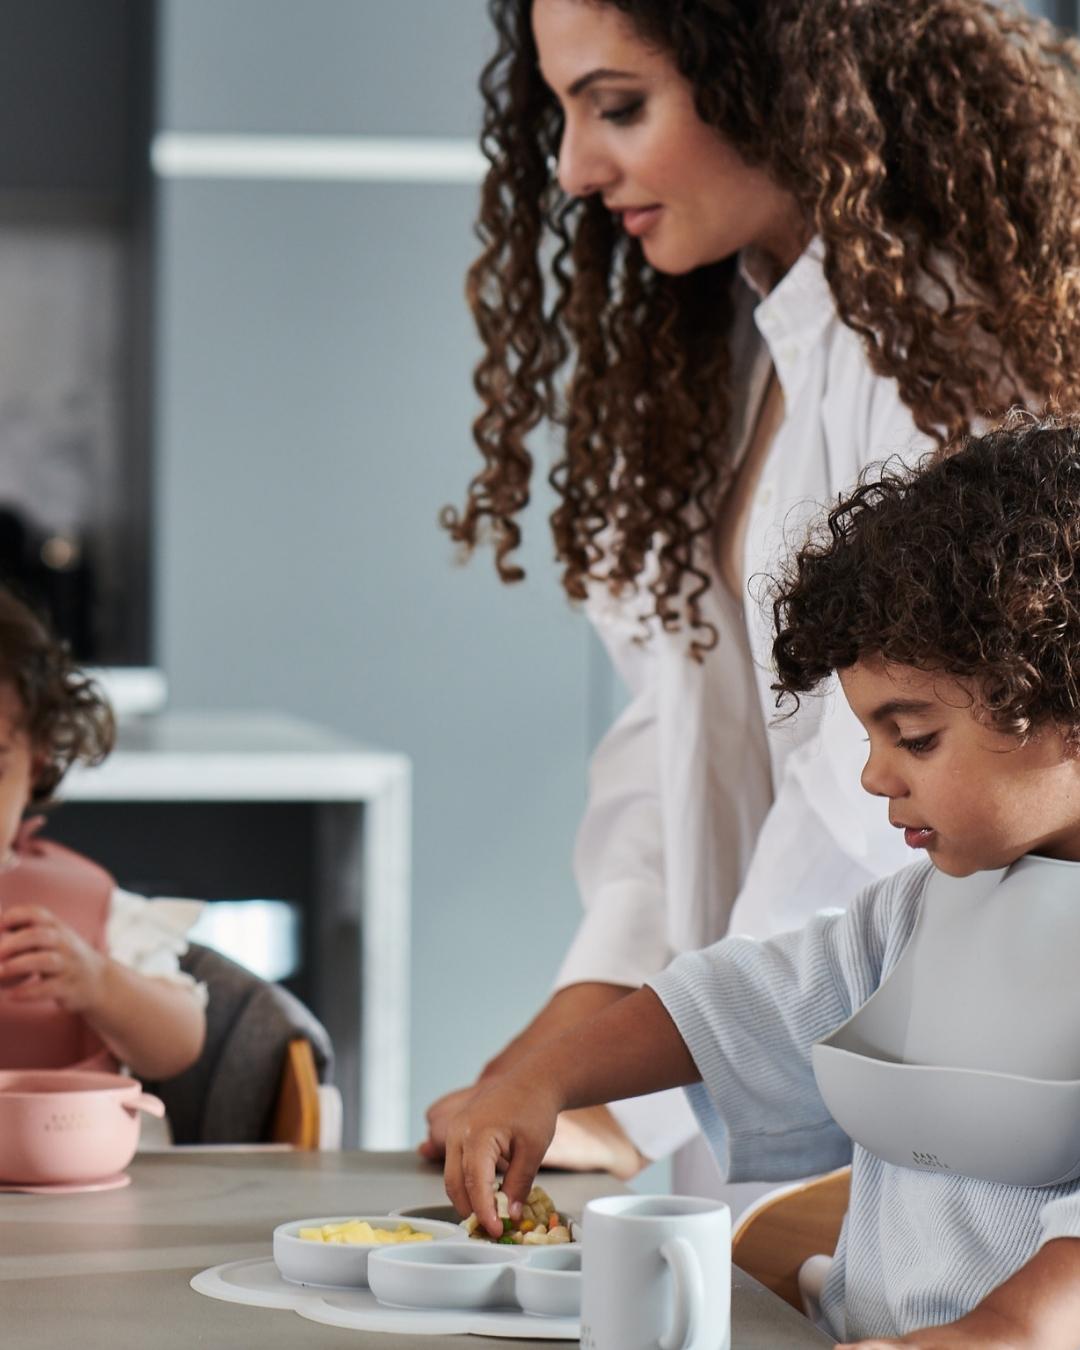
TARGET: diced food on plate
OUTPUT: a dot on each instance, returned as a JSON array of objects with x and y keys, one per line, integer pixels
[{"x": 540, "y": 1223}]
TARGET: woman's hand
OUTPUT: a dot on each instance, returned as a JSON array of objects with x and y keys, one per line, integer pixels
[
  {"x": 505, "y": 1127},
  {"x": 42, "y": 958},
  {"x": 592, "y": 1140}
]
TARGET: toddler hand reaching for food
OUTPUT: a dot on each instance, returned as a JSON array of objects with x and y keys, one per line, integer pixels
[{"x": 632, "y": 1047}]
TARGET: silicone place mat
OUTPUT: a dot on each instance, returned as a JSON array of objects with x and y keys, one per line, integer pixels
[{"x": 260, "y": 1284}]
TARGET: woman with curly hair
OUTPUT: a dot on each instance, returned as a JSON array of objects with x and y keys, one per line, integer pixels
[
  {"x": 737, "y": 250},
  {"x": 89, "y": 976},
  {"x": 922, "y": 1033}
]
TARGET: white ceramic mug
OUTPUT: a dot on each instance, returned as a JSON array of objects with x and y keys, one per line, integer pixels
[{"x": 656, "y": 1274}]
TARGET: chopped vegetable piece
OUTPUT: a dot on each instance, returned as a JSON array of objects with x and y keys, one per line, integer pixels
[{"x": 537, "y": 1224}]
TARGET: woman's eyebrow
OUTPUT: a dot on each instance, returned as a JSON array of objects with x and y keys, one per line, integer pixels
[{"x": 601, "y": 73}]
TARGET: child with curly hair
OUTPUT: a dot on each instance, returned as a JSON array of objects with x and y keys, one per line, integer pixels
[
  {"x": 88, "y": 977},
  {"x": 947, "y": 601}
]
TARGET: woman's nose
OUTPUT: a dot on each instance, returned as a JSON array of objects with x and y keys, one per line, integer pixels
[{"x": 583, "y": 169}]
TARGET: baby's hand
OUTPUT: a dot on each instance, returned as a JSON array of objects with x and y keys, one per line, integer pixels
[
  {"x": 42, "y": 958},
  {"x": 505, "y": 1126}
]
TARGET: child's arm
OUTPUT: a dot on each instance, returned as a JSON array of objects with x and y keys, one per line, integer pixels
[
  {"x": 1038, "y": 1308},
  {"x": 628, "y": 1049},
  {"x": 152, "y": 1025}
]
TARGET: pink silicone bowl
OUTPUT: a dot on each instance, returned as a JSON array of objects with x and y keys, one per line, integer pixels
[{"x": 60, "y": 1125}]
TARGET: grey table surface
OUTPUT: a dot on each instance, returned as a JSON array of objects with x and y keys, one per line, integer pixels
[{"x": 111, "y": 1270}]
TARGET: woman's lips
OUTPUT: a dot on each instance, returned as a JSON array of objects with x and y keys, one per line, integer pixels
[
  {"x": 918, "y": 838},
  {"x": 637, "y": 220}
]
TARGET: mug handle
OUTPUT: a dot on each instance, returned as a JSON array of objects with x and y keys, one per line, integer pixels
[{"x": 689, "y": 1294}]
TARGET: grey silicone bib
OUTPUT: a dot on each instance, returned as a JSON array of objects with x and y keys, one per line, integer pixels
[{"x": 967, "y": 1057}]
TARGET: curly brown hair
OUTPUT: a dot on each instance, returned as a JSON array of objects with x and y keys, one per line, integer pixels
[
  {"x": 933, "y": 145},
  {"x": 63, "y": 711},
  {"x": 969, "y": 566}
]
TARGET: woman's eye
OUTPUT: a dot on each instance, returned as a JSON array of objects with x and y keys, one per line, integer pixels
[
  {"x": 625, "y": 113},
  {"x": 917, "y": 745}
]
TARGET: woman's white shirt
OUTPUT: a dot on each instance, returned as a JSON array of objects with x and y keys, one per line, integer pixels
[{"x": 705, "y": 813}]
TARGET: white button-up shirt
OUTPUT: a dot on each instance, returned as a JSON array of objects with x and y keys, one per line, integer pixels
[{"x": 707, "y": 814}]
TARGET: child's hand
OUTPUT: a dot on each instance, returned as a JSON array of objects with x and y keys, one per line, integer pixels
[
  {"x": 505, "y": 1126},
  {"x": 42, "y": 958}
]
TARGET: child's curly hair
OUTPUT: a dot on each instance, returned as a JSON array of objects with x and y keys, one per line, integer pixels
[
  {"x": 968, "y": 565},
  {"x": 63, "y": 711}
]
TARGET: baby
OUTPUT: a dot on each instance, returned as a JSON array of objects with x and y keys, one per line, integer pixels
[
  {"x": 947, "y": 602},
  {"x": 71, "y": 943}
]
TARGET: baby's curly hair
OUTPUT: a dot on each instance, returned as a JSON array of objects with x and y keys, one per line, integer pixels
[
  {"x": 968, "y": 565},
  {"x": 63, "y": 711},
  {"x": 932, "y": 145}
]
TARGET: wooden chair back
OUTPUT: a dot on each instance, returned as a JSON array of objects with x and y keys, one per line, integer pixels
[
  {"x": 777, "y": 1235},
  {"x": 296, "y": 1112}
]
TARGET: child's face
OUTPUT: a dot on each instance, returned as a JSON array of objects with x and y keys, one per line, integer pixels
[
  {"x": 974, "y": 798},
  {"x": 16, "y": 767}
]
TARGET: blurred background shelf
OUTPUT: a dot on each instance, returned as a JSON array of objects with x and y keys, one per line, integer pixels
[{"x": 307, "y": 832}]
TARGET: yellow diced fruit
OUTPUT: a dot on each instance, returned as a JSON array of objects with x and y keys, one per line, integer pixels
[
  {"x": 360, "y": 1232},
  {"x": 527, "y": 1225}
]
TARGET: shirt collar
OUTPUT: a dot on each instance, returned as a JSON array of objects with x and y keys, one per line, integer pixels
[{"x": 793, "y": 314}]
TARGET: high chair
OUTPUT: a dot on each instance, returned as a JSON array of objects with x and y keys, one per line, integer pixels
[
  {"x": 779, "y": 1234},
  {"x": 263, "y": 1075},
  {"x": 307, "y": 1114}
]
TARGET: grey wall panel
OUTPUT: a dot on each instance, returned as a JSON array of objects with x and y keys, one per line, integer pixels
[
  {"x": 371, "y": 67},
  {"x": 315, "y": 396}
]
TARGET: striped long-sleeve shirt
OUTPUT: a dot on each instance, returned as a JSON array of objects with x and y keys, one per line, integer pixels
[{"x": 917, "y": 1248}]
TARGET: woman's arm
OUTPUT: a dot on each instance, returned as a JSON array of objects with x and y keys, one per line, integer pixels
[
  {"x": 1038, "y": 1308},
  {"x": 622, "y": 938},
  {"x": 630, "y": 1048}
]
